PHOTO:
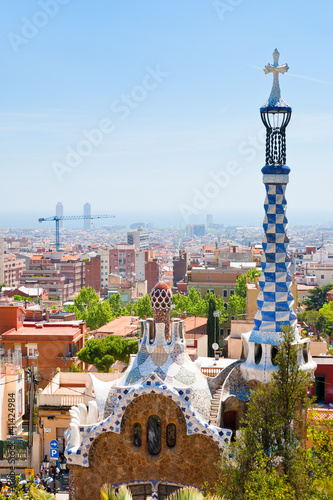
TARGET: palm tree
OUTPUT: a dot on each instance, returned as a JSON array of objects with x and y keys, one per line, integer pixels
[
  {"x": 108, "y": 493},
  {"x": 41, "y": 494},
  {"x": 186, "y": 494}
]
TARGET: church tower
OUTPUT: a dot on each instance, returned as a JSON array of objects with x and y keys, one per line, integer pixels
[{"x": 275, "y": 300}]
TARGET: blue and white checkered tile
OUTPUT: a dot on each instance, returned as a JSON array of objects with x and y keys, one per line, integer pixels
[{"x": 275, "y": 301}]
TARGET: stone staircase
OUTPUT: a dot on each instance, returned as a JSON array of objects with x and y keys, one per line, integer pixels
[
  {"x": 214, "y": 407},
  {"x": 216, "y": 397}
]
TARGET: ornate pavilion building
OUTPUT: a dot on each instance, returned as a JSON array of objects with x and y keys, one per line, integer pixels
[{"x": 163, "y": 424}]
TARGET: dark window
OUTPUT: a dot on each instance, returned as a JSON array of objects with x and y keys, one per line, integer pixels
[
  {"x": 274, "y": 354},
  {"x": 165, "y": 490},
  {"x": 137, "y": 434},
  {"x": 257, "y": 353},
  {"x": 305, "y": 353},
  {"x": 320, "y": 382},
  {"x": 171, "y": 435},
  {"x": 154, "y": 435},
  {"x": 140, "y": 491}
]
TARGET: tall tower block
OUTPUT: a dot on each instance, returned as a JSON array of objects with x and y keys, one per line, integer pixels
[
  {"x": 60, "y": 213},
  {"x": 87, "y": 213},
  {"x": 275, "y": 300}
]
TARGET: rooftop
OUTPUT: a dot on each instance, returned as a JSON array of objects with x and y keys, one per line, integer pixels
[
  {"x": 123, "y": 326},
  {"x": 64, "y": 331}
]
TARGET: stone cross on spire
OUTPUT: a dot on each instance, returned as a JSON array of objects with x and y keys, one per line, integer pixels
[{"x": 275, "y": 99}]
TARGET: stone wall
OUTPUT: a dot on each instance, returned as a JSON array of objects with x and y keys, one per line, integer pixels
[{"x": 114, "y": 459}]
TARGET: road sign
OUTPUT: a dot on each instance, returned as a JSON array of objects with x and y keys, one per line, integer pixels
[
  {"x": 54, "y": 443},
  {"x": 54, "y": 453},
  {"x": 28, "y": 472},
  {"x": 16, "y": 438},
  {"x": 215, "y": 346}
]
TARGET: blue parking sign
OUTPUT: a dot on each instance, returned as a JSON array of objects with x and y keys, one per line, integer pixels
[{"x": 54, "y": 453}]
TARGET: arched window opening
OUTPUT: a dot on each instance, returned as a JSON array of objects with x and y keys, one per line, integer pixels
[
  {"x": 171, "y": 435},
  {"x": 274, "y": 354},
  {"x": 257, "y": 353},
  {"x": 306, "y": 353},
  {"x": 137, "y": 435},
  {"x": 245, "y": 350},
  {"x": 154, "y": 435}
]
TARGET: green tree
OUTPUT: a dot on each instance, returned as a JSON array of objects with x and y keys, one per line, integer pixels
[
  {"x": 321, "y": 455},
  {"x": 194, "y": 305},
  {"x": 104, "y": 352},
  {"x": 98, "y": 315},
  {"x": 86, "y": 298},
  {"x": 241, "y": 281},
  {"x": 317, "y": 297},
  {"x": 270, "y": 444},
  {"x": 142, "y": 307},
  {"x": 89, "y": 308},
  {"x": 237, "y": 306},
  {"x": 325, "y": 318},
  {"x": 116, "y": 304}
]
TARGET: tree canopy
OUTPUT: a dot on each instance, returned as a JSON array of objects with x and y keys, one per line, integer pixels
[
  {"x": 268, "y": 456},
  {"x": 241, "y": 281},
  {"x": 103, "y": 353},
  {"x": 96, "y": 313},
  {"x": 317, "y": 297},
  {"x": 193, "y": 305}
]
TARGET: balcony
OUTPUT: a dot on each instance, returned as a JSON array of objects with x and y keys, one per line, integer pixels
[
  {"x": 59, "y": 400},
  {"x": 210, "y": 371},
  {"x": 68, "y": 357}
]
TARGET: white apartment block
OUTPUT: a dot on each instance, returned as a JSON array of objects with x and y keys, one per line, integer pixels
[{"x": 104, "y": 266}]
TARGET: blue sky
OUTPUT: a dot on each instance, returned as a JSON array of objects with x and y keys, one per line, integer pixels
[{"x": 175, "y": 90}]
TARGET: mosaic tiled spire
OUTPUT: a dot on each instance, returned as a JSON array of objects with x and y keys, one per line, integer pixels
[
  {"x": 275, "y": 300},
  {"x": 161, "y": 302}
]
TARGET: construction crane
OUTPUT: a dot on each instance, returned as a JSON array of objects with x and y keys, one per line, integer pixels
[{"x": 70, "y": 217}]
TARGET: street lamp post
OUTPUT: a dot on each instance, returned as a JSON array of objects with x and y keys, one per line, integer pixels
[
  {"x": 63, "y": 467},
  {"x": 215, "y": 346}
]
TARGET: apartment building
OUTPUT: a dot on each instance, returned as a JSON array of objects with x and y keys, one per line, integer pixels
[
  {"x": 93, "y": 272},
  {"x": 47, "y": 345},
  {"x": 73, "y": 270},
  {"x": 12, "y": 269},
  {"x": 122, "y": 261},
  {"x": 56, "y": 286},
  {"x": 104, "y": 255},
  {"x": 139, "y": 239},
  {"x": 219, "y": 280}
]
